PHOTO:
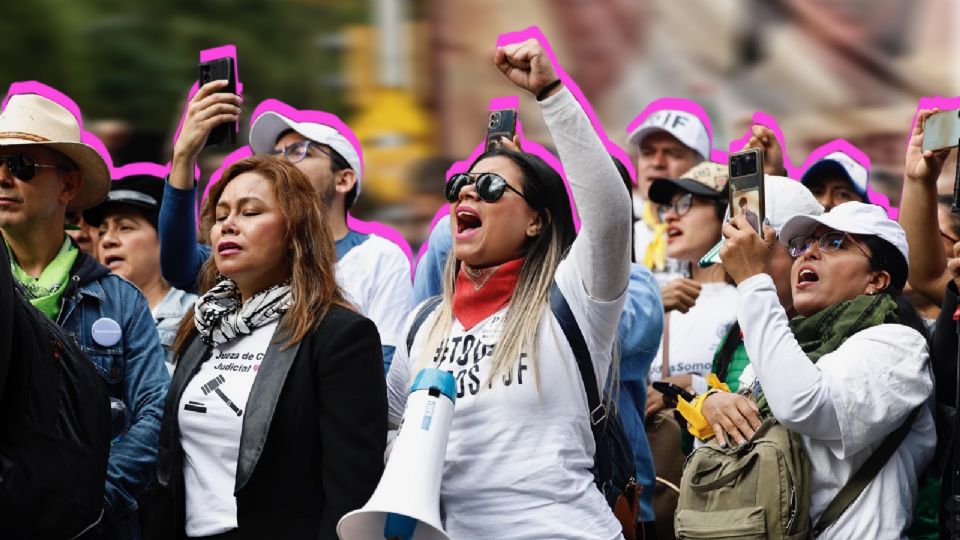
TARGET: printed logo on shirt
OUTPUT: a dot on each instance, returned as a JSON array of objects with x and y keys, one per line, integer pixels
[
  {"x": 195, "y": 406},
  {"x": 214, "y": 386},
  {"x": 461, "y": 356}
]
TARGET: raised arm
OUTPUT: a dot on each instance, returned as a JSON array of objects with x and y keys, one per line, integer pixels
[
  {"x": 602, "y": 249},
  {"x": 180, "y": 254},
  {"x": 918, "y": 214}
]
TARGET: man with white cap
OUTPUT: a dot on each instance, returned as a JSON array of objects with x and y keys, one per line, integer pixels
[
  {"x": 835, "y": 179},
  {"x": 46, "y": 171},
  {"x": 373, "y": 271},
  {"x": 668, "y": 143}
]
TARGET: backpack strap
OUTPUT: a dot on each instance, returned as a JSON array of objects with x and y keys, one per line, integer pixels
[
  {"x": 864, "y": 475},
  {"x": 425, "y": 310},
  {"x": 721, "y": 362},
  {"x": 561, "y": 310}
]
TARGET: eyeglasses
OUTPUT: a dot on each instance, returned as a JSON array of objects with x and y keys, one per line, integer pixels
[
  {"x": 680, "y": 206},
  {"x": 831, "y": 241},
  {"x": 24, "y": 167},
  {"x": 296, "y": 152},
  {"x": 948, "y": 237},
  {"x": 490, "y": 186}
]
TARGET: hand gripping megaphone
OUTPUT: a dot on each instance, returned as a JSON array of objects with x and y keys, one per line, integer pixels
[{"x": 406, "y": 503}]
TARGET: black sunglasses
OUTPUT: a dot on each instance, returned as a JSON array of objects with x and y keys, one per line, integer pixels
[
  {"x": 490, "y": 186},
  {"x": 23, "y": 166}
]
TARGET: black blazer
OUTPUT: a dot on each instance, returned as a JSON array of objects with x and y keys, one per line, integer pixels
[{"x": 314, "y": 431}]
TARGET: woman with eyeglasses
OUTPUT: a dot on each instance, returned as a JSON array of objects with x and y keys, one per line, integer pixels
[
  {"x": 274, "y": 423},
  {"x": 699, "y": 309},
  {"x": 847, "y": 372},
  {"x": 520, "y": 448}
]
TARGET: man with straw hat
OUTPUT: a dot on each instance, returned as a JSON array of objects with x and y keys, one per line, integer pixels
[{"x": 45, "y": 171}]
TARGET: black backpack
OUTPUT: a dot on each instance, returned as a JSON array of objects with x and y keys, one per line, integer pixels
[
  {"x": 614, "y": 470},
  {"x": 54, "y": 425}
]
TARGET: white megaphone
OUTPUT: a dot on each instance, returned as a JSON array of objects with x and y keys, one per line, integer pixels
[{"x": 406, "y": 503}]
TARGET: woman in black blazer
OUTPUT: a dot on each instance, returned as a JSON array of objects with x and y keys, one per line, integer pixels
[{"x": 275, "y": 422}]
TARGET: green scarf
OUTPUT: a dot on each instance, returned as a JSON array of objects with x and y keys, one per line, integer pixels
[
  {"x": 45, "y": 292},
  {"x": 824, "y": 332}
]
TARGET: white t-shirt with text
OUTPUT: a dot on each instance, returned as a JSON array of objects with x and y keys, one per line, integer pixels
[
  {"x": 518, "y": 457},
  {"x": 696, "y": 335},
  {"x": 211, "y": 421}
]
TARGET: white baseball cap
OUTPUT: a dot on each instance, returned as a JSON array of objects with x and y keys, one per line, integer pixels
[
  {"x": 855, "y": 218},
  {"x": 683, "y": 126},
  {"x": 267, "y": 127},
  {"x": 839, "y": 163},
  {"x": 784, "y": 198}
]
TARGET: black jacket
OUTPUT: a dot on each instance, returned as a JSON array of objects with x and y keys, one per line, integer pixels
[
  {"x": 314, "y": 431},
  {"x": 943, "y": 357}
]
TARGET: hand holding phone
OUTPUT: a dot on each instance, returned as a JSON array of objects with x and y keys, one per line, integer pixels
[
  {"x": 221, "y": 69},
  {"x": 746, "y": 187},
  {"x": 941, "y": 130}
]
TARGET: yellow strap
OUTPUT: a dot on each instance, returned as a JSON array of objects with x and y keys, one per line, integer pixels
[
  {"x": 655, "y": 257},
  {"x": 714, "y": 382},
  {"x": 697, "y": 425}
]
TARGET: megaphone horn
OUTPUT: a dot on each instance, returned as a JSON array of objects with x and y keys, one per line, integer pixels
[{"x": 406, "y": 503}]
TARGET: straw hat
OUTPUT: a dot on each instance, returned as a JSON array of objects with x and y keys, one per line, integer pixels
[{"x": 31, "y": 119}]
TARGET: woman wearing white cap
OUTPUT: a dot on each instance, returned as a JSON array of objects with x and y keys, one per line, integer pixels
[{"x": 850, "y": 369}]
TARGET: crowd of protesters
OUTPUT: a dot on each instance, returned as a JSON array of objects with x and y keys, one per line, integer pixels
[{"x": 258, "y": 359}]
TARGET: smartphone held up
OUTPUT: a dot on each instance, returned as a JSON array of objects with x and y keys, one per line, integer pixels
[
  {"x": 221, "y": 69},
  {"x": 941, "y": 130},
  {"x": 501, "y": 123},
  {"x": 746, "y": 186}
]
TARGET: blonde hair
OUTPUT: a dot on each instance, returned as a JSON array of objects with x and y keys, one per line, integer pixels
[{"x": 545, "y": 190}]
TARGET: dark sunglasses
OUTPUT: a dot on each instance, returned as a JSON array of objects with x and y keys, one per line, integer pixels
[
  {"x": 24, "y": 167},
  {"x": 490, "y": 186}
]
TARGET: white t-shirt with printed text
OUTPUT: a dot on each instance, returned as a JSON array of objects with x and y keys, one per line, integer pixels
[
  {"x": 518, "y": 457},
  {"x": 696, "y": 335},
  {"x": 210, "y": 415}
]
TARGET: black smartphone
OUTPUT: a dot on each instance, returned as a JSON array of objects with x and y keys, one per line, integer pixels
[
  {"x": 746, "y": 186},
  {"x": 214, "y": 70},
  {"x": 501, "y": 123}
]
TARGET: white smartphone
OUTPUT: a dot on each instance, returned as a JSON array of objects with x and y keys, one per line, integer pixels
[{"x": 941, "y": 130}]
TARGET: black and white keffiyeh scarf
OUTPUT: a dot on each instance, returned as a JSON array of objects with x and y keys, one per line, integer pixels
[{"x": 220, "y": 315}]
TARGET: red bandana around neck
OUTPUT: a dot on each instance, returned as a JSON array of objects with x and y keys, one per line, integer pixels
[{"x": 481, "y": 293}]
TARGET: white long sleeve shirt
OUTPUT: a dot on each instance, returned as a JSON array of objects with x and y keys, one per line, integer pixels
[
  {"x": 843, "y": 407},
  {"x": 518, "y": 459}
]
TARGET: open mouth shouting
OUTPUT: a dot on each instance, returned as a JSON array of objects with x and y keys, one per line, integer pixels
[
  {"x": 468, "y": 222},
  {"x": 806, "y": 277}
]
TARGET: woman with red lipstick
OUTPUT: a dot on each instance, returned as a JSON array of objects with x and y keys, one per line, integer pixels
[
  {"x": 520, "y": 449},
  {"x": 847, "y": 372},
  {"x": 274, "y": 423}
]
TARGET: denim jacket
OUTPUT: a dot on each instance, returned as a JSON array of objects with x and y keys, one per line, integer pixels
[
  {"x": 167, "y": 317},
  {"x": 133, "y": 369}
]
